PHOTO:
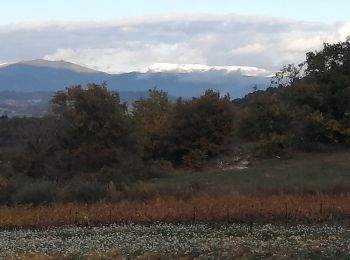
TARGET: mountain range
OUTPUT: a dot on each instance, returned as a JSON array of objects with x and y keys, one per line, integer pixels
[{"x": 179, "y": 80}]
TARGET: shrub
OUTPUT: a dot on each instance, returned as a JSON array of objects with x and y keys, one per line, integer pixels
[
  {"x": 138, "y": 191},
  {"x": 141, "y": 191},
  {"x": 116, "y": 174},
  {"x": 3, "y": 190},
  {"x": 36, "y": 192},
  {"x": 273, "y": 145},
  {"x": 195, "y": 159},
  {"x": 158, "y": 168},
  {"x": 84, "y": 191}
]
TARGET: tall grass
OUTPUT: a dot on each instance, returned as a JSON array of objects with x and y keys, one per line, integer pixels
[{"x": 200, "y": 207}]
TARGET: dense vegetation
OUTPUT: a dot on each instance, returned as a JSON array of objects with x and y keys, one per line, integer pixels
[{"x": 91, "y": 146}]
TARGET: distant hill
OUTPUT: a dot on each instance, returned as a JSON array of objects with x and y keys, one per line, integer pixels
[{"x": 42, "y": 75}]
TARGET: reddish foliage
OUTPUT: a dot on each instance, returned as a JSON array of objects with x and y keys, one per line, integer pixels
[{"x": 201, "y": 207}]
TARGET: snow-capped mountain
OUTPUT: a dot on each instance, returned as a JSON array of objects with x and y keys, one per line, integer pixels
[
  {"x": 191, "y": 68},
  {"x": 185, "y": 80}
]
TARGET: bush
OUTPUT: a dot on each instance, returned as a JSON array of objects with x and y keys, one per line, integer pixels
[
  {"x": 158, "y": 168},
  {"x": 141, "y": 191},
  {"x": 273, "y": 145},
  {"x": 36, "y": 192},
  {"x": 138, "y": 191},
  {"x": 195, "y": 159},
  {"x": 4, "y": 194},
  {"x": 133, "y": 169},
  {"x": 84, "y": 192},
  {"x": 116, "y": 174}
]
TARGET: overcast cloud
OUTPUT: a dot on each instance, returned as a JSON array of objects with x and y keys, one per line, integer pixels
[{"x": 133, "y": 45}]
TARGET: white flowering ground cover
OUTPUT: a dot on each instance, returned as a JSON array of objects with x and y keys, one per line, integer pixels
[{"x": 202, "y": 241}]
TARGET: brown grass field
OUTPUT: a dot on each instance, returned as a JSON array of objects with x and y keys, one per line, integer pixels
[
  {"x": 199, "y": 208},
  {"x": 309, "y": 187}
]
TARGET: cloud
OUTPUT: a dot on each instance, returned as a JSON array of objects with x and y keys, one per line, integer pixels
[
  {"x": 344, "y": 30},
  {"x": 255, "y": 48},
  {"x": 129, "y": 56},
  {"x": 135, "y": 44}
]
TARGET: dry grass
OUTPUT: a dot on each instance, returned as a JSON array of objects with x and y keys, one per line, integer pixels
[{"x": 201, "y": 207}]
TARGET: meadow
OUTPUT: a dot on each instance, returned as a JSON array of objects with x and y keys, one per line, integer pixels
[
  {"x": 305, "y": 188},
  {"x": 302, "y": 173},
  {"x": 275, "y": 209}
]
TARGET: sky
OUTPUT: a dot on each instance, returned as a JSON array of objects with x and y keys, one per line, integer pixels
[
  {"x": 15, "y": 11},
  {"x": 119, "y": 36}
]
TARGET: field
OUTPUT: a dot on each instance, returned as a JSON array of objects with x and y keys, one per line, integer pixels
[
  {"x": 304, "y": 173},
  {"x": 290, "y": 209},
  {"x": 305, "y": 188},
  {"x": 168, "y": 241},
  {"x": 199, "y": 208}
]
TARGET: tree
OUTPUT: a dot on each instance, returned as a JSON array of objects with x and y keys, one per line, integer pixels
[
  {"x": 151, "y": 120},
  {"x": 200, "y": 129},
  {"x": 330, "y": 68},
  {"x": 321, "y": 99},
  {"x": 263, "y": 116},
  {"x": 288, "y": 75},
  {"x": 316, "y": 94},
  {"x": 93, "y": 126}
]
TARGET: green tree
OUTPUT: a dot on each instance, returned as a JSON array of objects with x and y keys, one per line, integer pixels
[
  {"x": 200, "y": 129},
  {"x": 151, "y": 120},
  {"x": 288, "y": 75},
  {"x": 264, "y": 116},
  {"x": 320, "y": 100},
  {"x": 94, "y": 127},
  {"x": 330, "y": 68}
]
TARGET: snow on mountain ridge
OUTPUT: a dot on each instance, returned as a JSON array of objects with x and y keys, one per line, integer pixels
[
  {"x": 155, "y": 68},
  {"x": 188, "y": 68}
]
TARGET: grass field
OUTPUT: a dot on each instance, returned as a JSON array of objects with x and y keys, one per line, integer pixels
[
  {"x": 305, "y": 188},
  {"x": 275, "y": 209},
  {"x": 200, "y": 208},
  {"x": 303, "y": 173}
]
